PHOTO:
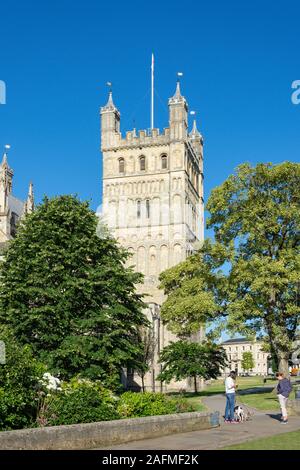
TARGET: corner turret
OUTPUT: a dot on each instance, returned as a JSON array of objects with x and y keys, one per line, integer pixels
[{"x": 110, "y": 124}]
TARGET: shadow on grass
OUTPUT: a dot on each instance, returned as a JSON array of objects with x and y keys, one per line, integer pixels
[
  {"x": 204, "y": 393},
  {"x": 253, "y": 390},
  {"x": 209, "y": 393}
]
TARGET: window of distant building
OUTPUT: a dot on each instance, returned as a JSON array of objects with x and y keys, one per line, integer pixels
[{"x": 142, "y": 163}]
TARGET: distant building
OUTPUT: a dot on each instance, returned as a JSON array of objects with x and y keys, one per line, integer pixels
[
  {"x": 11, "y": 208},
  {"x": 234, "y": 350}
]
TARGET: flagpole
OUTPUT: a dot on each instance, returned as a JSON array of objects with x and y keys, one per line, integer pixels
[{"x": 152, "y": 92}]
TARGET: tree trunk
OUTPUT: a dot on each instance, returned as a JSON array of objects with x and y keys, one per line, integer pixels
[
  {"x": 283, "y": 364},
  {"x": 143, "y": 383},
  {"x": 195, "y": 383}
]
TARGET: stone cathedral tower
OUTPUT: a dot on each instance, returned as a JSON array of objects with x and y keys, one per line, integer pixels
[
  {"x": 11, "y": 208},
  {"x": 153, "y": 200}
]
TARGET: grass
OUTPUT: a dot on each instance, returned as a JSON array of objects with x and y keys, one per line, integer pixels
[
  {"x": 244, "y": 383},
  {"x": 262, "y": 400},
  {"x": 217, "y": 386},
  {"x": 287, "y": 441},
  {"x": 195, "y": 400}
]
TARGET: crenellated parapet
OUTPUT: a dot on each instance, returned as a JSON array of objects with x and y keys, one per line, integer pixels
[{"x": 141, "y": 138}]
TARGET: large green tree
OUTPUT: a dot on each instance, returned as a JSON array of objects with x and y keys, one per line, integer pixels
[
  {"x": 195, "y": 290},
  {"x": 247, "y": 361},
  {"x": 184, "y": 359},
  {"x": 68, "y": 294},
  {"x": 249, "y": 276}
]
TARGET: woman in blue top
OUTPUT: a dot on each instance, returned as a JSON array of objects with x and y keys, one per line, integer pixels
[{"x": 284, "y": 388}]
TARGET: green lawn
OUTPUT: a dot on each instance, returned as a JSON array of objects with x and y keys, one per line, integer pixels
[
  {"x": 217, "y": 386},
  {"x": 260, "y": 401},
  {"x": 195, "y": 400},
  {"x": 287, "y": 441}
]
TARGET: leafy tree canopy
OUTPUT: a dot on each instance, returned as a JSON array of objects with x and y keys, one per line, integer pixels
[
  {"x": 68, "y": 294},
  {"x": 248, "y": 277},
  {"x": 183, "y": 359}
]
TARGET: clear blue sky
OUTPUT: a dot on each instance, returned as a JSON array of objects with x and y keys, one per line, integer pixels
[{"x": 239, "y": 60}]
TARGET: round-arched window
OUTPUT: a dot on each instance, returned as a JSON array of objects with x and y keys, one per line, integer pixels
[
  {"x": 142, "y": 163},
  {"x": 164, "y": 162},
  {"x": 121, "y": 165}
]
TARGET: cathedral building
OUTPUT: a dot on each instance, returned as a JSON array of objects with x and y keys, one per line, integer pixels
[
  {"x": 11, "y": 208},
  {"x": 153, "y": 202}
]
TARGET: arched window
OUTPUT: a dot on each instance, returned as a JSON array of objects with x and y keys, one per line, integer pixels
[
  {"x": 13, "y": 224},
  {"x": 148, "y": 209},
  {"x": 121, "y": 165},
  {"x": 164, "y": 162},
  {"x": 138, "y": 209},
  {"x": 142, "y": 163}
]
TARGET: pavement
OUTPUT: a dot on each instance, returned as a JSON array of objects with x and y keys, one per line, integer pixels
[{"x": 261, "y": 424}]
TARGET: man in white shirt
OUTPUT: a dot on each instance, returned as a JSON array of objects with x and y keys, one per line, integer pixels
[{"x": 230, "y": 387}]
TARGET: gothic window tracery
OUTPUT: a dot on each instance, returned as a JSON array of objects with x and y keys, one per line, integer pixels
[
  {"x": 121, "y": 165},
  {"x": 142, "y": 163},
  {"x": 164, "y": 162}
]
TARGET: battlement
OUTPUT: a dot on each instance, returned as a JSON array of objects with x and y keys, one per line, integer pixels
[
  {"x": 112, "y": 139},
  {"x": 142, "y": 137}
]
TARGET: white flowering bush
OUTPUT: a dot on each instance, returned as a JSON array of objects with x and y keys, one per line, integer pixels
[
  {"x": 77, "y": 401},
  {"x": 49, "y": 386},
  {"x": 50, "y": 383}
]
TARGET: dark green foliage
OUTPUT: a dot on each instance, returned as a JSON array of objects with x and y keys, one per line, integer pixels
[
  {"x": 134, "y": 405},
  {"x": 85, "y": 402},
  {"x": 18, "y": 385},
  {"x": 67, "y": 293},
  {"x": 183, "y": 359}
]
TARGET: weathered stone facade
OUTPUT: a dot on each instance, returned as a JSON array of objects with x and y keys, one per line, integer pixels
[
  {"x": 153, "y": 198},
  {"x": 11, "y": 208}
]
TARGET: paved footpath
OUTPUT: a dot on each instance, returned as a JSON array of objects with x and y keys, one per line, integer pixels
[{"x": 262, "y": 424}]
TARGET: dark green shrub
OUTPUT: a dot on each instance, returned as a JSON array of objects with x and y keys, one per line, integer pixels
[
  {"x": 133, "y": 405},
  {"x": 80, "y": 401},
  {"x": 18, "y": 385}
]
